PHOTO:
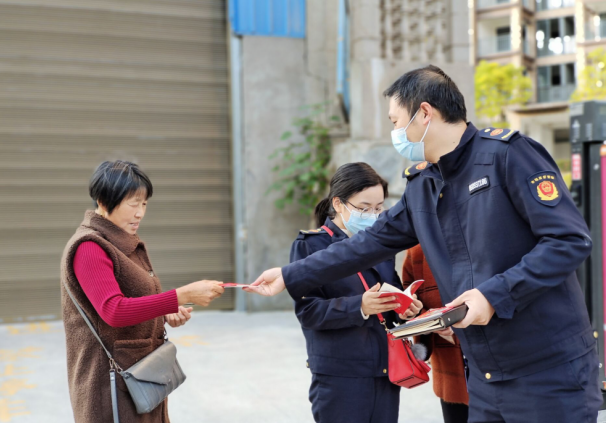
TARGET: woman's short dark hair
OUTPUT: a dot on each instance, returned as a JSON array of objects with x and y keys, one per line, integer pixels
[
  {"x": 429, "y": 84},
  {"x": 348, "y": 180},
  {"x": 112, "y": 182}
]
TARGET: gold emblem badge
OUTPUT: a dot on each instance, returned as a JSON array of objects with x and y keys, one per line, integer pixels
[
  {"x": 496, "y": 132},
  {"x": 547, "y": 191},
  {"x": 421, "y": 166}
]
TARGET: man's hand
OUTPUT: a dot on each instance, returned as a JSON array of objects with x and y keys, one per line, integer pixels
[
  {"x": 270, "y": 283},
  {"x": 178, "y": 319},
  {"x": 480, "y": 311},
  {"x": 413, "y": 309},
  {"x": 372, "y": 304}
]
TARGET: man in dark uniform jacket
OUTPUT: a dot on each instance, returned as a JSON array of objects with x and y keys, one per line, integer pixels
[{"x": 502, "y": 235}]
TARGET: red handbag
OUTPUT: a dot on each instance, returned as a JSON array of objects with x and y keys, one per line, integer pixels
[{"x": 404, "y": 369}]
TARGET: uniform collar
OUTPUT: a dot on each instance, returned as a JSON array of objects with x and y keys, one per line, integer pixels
[
  {"x": 449, "y": 163},
  {"x": 339, "y": 235},
  {"x": 118, "y": 237}
]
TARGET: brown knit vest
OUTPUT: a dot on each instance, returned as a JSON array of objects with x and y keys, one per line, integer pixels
[{"x": 87, "y": 364}]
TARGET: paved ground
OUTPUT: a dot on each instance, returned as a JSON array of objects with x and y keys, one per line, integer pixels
[{"x": 247, "y": 368}]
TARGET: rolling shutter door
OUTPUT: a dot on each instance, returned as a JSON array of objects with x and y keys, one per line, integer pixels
[{"x": 82, "y": 81}]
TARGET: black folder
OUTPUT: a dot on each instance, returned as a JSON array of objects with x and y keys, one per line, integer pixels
[{"x": 431, "y": 321}]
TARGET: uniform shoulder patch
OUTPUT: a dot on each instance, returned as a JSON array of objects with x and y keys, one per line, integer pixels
[
  {"x": 498, "y": 133},
  {"x": 415, "y": 169},
  {"x": 306, "y": 232},
  {"x": 545, "y": 188}
]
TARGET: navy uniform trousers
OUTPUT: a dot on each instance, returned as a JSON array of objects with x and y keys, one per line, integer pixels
[
  {"x": 359, "y": 399},
  {"x": 567, "y": 393},
  {"x": 347, "y": 354}
]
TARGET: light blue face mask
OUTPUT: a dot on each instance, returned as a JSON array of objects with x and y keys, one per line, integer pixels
[
  {"x": 414, "y": 151},
  {"x": 358, "y": 221}
]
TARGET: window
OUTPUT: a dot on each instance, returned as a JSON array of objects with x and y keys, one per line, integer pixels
[
  {"x": 570, "y": 74},
  {"x": 556, "y": 36},
  {"x": 504, "y": 38},
  {"x": 553, "y": 4},
  {"x": 555, "y": 83},
  {"x": 556, "y": 76},
  {"x": 569, "y": 26}
]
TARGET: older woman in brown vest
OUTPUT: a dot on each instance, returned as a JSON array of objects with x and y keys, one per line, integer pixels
[{"x": 106, "y": 267}]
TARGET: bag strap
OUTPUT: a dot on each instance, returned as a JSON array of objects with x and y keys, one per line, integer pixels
[
  {"x": 86, "y": 319},
  {"x": 112, "y": 364},
  {"x": 379, "y": 315}
]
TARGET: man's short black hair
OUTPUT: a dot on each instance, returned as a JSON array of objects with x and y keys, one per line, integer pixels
[
  {"x": 112, "y": 182},
  {"x": 429, "y": 84}
]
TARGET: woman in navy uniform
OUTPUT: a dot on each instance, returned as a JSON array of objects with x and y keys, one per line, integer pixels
[
  {"x": 346, "y": 343},
  {"x": 501, "y": 234}
]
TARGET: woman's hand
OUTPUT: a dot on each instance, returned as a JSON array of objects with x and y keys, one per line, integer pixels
[
  {"x": 178, "y": 319},
  {"x": 413, "y": 309},
  {"x": 372, "y": 304},
  {"x": 200, "y": 293},
  {"x": 447, "y": 334}
]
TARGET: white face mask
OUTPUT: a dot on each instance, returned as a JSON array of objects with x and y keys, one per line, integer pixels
[
  {"x": 414, "y": 151},
  {"x": 358, "y": 221}
]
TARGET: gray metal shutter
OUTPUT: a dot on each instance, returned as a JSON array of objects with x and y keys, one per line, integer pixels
[{"x": 82, "y": 81}]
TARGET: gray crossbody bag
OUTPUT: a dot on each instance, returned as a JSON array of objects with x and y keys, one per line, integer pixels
[{"x": 150, "y": 380}]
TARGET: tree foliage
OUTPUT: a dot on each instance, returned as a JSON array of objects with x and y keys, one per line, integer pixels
[
  {"x": 498, "y": 86},
  {"x": 302, "y": 166},
  {"x": 591, "y": 82}
]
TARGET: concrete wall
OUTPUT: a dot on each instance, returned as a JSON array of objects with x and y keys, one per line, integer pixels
[
  {"x": 540, "y": 126},
  {"x": 459, "y": 31},
  {"x": 273, "y": 92},
  {"x": 279, "y": 76}
]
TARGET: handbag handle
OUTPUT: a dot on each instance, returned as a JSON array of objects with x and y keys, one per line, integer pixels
[{"x": 379, "y": 315}]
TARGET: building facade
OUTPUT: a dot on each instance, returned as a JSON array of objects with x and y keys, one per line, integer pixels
[{"x": 551, "y": 40}]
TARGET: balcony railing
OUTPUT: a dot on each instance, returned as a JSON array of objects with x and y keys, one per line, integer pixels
[
  {"x": 556, "y": 46},
  {"x": 595, "y": 32},
  {"x": 481, "y": 4},
  {"x": 553, "y": 4},
  {"x": 494, "y": 45},
  {"x": 555, "y": 93}
]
